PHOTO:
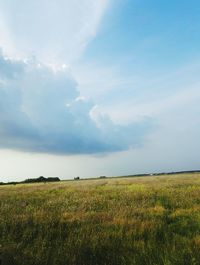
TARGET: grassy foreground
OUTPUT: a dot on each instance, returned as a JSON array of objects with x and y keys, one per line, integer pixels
[{"x": 141, "y": 221}]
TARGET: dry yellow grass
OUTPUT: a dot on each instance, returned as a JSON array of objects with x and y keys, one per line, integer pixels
[{"x": 143, "y": 220}]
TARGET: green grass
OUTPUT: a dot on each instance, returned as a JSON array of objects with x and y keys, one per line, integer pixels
[{"x": 141, "y": 221}]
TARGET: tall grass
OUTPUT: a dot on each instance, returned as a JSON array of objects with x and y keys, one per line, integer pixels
[{"x": 141, "y": 221}]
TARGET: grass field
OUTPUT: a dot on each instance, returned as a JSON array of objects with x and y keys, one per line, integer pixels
[{"x": 130, "y": 221}]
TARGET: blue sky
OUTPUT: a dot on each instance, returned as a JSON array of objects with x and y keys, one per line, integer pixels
[
  {"x": 156, "y": 33},
  {"x": 98, "y": 87}
]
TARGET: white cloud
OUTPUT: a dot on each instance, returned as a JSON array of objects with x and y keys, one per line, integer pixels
[
  {"x": 41, "y": 110},
  {"x": 52, "y": 30}
]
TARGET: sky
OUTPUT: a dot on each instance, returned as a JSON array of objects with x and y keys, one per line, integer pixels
[{"x": 105, "y": 87}]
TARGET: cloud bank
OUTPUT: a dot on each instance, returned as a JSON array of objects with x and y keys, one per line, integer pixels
[{"x": 41, "y": 110}]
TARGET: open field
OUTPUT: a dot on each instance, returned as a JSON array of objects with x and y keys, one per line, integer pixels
[{"x": 131, "y": 221}]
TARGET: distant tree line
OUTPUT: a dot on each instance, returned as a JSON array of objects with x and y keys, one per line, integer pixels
[
  {"x": 33, "y": 180},
  {"x": 41, "y": 179},
  {"x": 164, "y": 173}
]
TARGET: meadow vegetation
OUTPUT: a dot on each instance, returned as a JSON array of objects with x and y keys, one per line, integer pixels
[{"x": 121, "y": 221}]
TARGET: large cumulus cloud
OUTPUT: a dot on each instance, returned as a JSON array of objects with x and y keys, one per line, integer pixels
[{"x": 41, "y": 110}]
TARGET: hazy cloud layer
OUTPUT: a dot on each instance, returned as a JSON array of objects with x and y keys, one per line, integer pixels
[{"x": 41, "y": 111}]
